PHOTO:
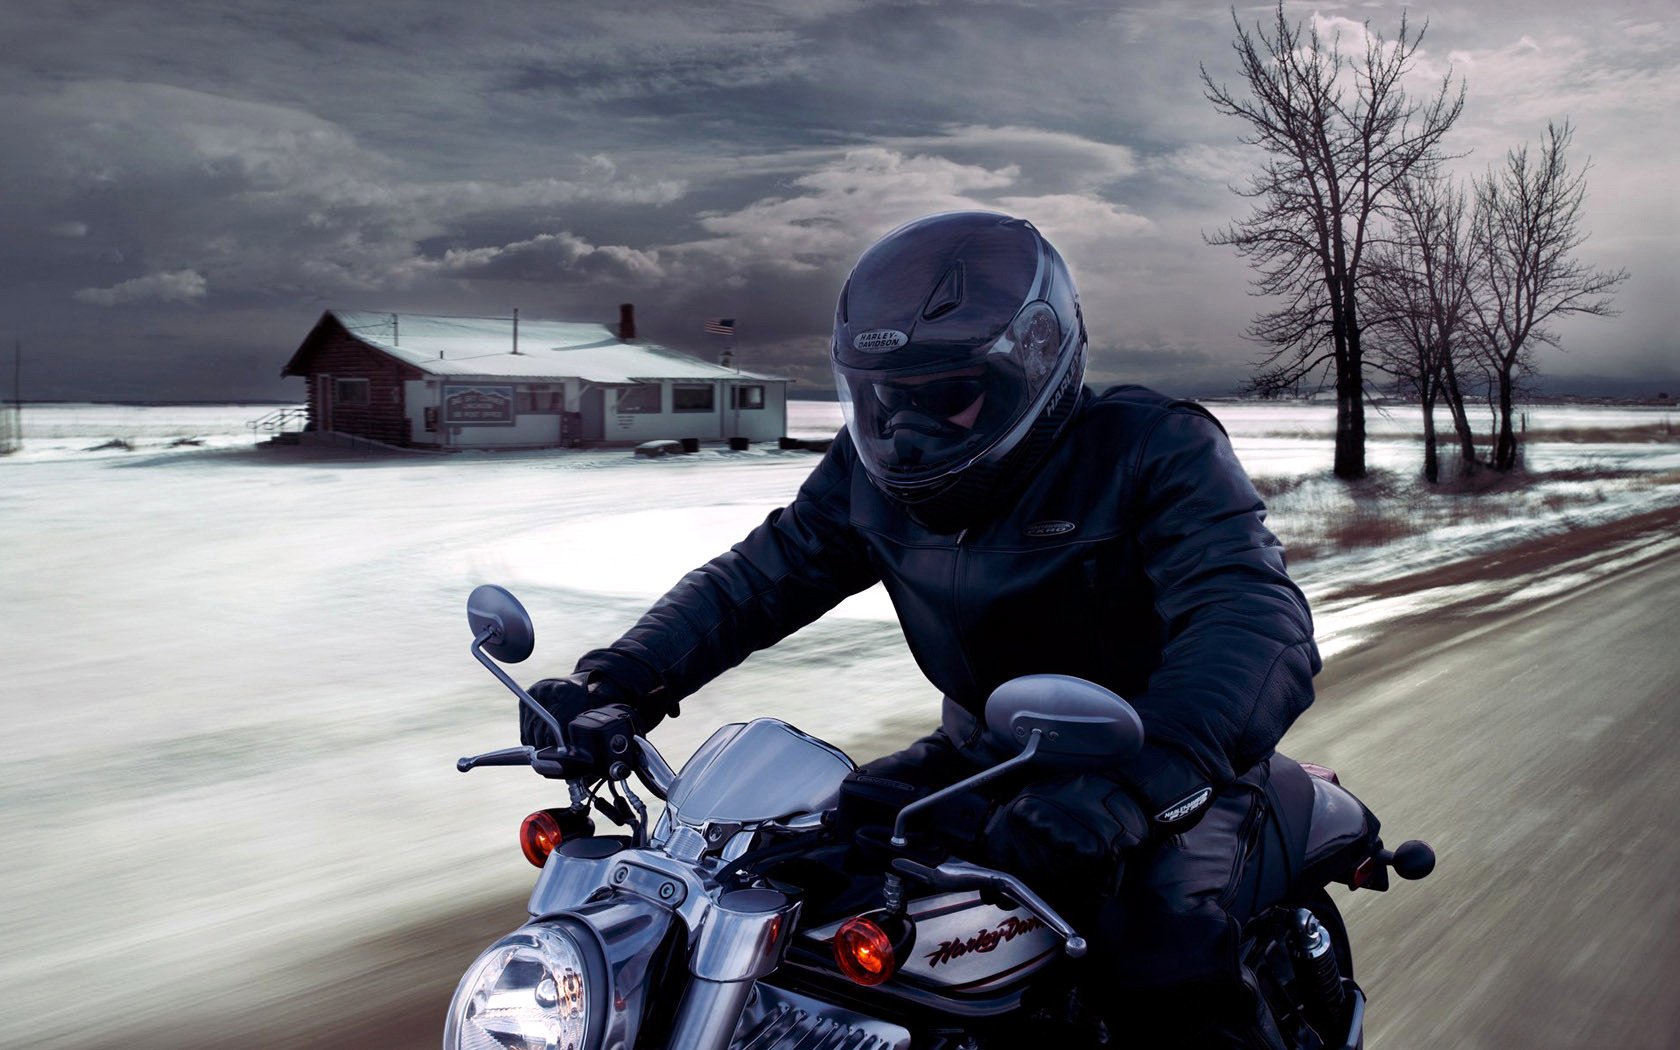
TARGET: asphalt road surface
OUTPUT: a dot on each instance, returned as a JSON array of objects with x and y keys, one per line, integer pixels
[
  {"x": 1536, "y": 746},
  {"x": 1538, "y": 751}
]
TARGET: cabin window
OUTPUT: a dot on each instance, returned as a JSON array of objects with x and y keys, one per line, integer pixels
[
  {"x": 749, "y": 397},
  {"x": 540, "y": 399},
  {"x": 691, "y": 398},
  {"x": 638, "y": 399},
  {"x": 350, "y": 392}
]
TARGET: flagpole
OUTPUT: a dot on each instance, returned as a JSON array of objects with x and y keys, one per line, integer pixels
[{"x": 725, "y": 326}]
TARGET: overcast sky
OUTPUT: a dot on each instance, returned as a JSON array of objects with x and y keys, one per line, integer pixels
[{"x": 188, "y": 184}]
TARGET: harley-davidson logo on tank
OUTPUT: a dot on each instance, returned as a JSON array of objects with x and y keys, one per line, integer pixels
[
  {"x": 963, "y": 944},
  {"x": 984, "y": 941}
]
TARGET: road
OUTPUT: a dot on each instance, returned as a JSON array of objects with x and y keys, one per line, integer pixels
[
  {"x": 1539, "y": 752},
  {"x": 1534, "y": 745}
]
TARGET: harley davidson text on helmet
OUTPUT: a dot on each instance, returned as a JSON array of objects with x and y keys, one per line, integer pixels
[{"x": 959, "y": 353}]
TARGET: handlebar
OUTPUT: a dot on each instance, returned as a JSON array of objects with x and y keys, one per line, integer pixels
[
  {"x": 553, "y": 762},
  {"x": 603, "y": 744}
]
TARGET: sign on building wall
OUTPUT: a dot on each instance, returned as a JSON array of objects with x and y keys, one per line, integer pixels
[{"x": 478, "y": 406}]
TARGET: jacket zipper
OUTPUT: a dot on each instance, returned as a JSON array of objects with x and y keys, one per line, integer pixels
[
  {"x": 956, "y": 614},
  {"x": 1245, "y": 847}
]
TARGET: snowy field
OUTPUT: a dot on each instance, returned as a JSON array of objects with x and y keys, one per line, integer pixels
[{"x": 236, "y": 680}]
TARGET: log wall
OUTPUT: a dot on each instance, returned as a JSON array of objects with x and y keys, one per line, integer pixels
[{"x": 336, "y": 353}]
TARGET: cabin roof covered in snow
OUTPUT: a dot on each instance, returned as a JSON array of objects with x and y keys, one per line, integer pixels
[{"x": 483, "y": 348}]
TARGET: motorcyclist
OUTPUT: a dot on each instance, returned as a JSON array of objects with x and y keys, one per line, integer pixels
[{"x": 1023, "y": 524}]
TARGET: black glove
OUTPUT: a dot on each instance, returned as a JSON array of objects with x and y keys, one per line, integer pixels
[
  {"x": 566, "y": 698},
  {"x": 1068, "y": 836}
]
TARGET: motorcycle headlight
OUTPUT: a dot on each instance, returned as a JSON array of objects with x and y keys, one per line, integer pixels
[{"x": 538, "y": 988}]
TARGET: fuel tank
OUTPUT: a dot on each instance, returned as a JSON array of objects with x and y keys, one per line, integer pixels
[{"x": 964, "y": 944}]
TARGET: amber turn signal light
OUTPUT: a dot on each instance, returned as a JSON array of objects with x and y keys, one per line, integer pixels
[
  {"x": 538, "y": 836},
  {"x": 867, "y": 952},
  {"x": 543, "y": 831}
]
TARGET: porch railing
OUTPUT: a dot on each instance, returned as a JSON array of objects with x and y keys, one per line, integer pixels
[{"x": 281, "y": 420}]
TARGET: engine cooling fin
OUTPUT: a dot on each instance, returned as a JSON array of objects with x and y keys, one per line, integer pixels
[{"x": 790, "y": 1028}]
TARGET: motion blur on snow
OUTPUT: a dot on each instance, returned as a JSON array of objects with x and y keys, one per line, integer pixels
[{"x": 236, "y": 679}]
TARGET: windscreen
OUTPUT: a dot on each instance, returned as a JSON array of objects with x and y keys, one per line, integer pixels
[{"x": 755, "y": 772}]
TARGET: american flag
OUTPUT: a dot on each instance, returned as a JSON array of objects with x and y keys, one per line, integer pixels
[{"x": 720, "y": 325}]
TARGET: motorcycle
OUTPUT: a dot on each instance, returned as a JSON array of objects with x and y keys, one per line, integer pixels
[{"x": 733, "y": 924}]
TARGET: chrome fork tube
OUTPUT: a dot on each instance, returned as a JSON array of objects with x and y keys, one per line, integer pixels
[
  {"x": 741, "y": 939},
  {"x": 710, "y": 1013}
]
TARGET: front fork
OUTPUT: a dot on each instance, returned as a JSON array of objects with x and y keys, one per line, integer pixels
[{"x": 742, "y": 938}]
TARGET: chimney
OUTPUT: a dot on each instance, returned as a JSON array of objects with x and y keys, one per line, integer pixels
[{"x": 626, "y": 322}]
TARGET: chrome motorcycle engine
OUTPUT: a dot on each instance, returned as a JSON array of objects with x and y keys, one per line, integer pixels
[{"x": 783, "y": 1020}]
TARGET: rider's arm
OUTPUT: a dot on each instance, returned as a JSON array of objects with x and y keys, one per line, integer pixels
[
  {"x": 1238, "y": 656},
  {"x": 788, "y": 571}
]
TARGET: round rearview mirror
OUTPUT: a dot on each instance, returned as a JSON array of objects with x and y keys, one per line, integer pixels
[
  {"x": 1079, "y": 722},
  {"x": 493, "y": 609}
]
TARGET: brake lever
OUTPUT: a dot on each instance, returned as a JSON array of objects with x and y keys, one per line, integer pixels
[{"x": 961, "y": 875}]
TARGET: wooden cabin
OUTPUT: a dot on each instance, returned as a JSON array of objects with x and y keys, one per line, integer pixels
[{"x": 455, "y": 383}]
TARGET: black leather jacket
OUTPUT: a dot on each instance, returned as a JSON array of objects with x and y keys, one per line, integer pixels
[{"x": 1135, "y": 557}]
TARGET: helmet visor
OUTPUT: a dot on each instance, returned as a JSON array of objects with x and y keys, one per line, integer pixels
[{"x": 915, "y": 425}]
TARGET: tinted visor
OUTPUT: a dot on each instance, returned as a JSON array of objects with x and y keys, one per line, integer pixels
[
  {"x": 941, "y": 398},
  {"x": 911, "y": 426}
]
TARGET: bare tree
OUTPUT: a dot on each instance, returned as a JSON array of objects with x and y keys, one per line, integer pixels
[
  {"x": 1525, "y": 232},
  {"x": 1339, "y": 133},
  {"x": 1418, "y": 295}
]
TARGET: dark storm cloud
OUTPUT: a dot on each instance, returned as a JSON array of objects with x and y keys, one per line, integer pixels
[{"x": 212, "y": 175}]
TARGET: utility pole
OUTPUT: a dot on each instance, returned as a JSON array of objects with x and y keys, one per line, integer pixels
[
  {"x": 734, "y": 388},
  {"x": 516, "y": 329},
  {"x": 394, "y": 333}
]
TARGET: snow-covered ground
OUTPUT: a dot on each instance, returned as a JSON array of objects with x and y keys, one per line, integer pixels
[
  {"x": 235, "y": 680},
  {"x": 77, "y": 431}
]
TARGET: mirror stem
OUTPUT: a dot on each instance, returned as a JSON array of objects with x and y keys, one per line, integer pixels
[
  {"x": 985, "y": 776},
  {"x": 488, "y": 634}
]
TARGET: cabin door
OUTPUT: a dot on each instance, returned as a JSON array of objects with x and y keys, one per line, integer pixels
[{"x": 594, "y": 422}]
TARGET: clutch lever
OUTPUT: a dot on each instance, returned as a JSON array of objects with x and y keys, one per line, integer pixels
[
  {"x": 552, "y": 762},
  {"x": 507, "y": 756},
  {"x": 961, "y": 875}
]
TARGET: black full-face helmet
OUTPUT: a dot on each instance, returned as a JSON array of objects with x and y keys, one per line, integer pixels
[{"x": 959, "y": 353}]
